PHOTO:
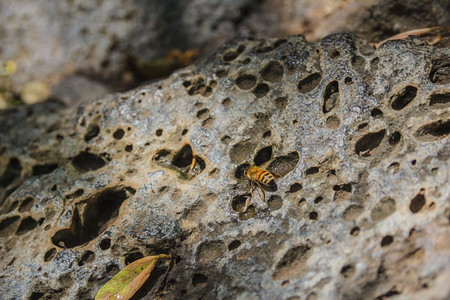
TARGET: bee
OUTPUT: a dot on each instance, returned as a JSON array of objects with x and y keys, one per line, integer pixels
[{"x": 261, "y": 178}]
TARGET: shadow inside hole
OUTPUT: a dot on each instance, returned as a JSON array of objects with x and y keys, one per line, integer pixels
[
  {"x": 92, "y": 217},
  {"x": 263, "y": 155}
]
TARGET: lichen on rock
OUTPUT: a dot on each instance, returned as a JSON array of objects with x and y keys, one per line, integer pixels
[{"x": 358, "y": 136}]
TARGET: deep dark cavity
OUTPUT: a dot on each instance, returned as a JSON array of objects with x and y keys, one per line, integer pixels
[
  {"x": 238, "y": 202},
  {"x": 272, "y": 72},
  {"x": 417, "y": 202},
  {"x": 43, "y": 169},
  {"x": 263, "y": 155},
  {"x": 261, "y": 90},
  {"x": 48, "y": 256},
  {"x": 184, "y": 157},
  {"x": 246, "y": 81},
  {"x": 92, "y": 131},
  {"x": 12, "y": 172},
  {"x": 369, "y": 142},
  {"x": 199, "y": 280},
  {"x": 234, "y": 245},
  {"x": 376, "y": 113},
  {"x": 26, "y": 225},
  {"x": 133, "y": 256},
  {"x": 394, "y": 138},
  {"x": 403, "y": 97},
  {"x": 309, "y": 83},
  {"x": 231, "y": 54},
  {"x": 26, "y": 204},
  {"x": 86, "y": 161},
  {"x": 312, "y": 171},
  {"x": 330, "y": 97},
  {"x": 387, "y": 240},
  {"x": 440, "y": 72},
  {"x": 118, "y": 134},
  {"x": 440, "y": 100},
  {"x": 433, "y": 131},
  {"x": 202, "y": 113},
  {"x": 92, "y": 217},
  {"x": 8, "y": 225},
  {"x": 295, "y": 187},
  {"x": 105, "y": 244}
]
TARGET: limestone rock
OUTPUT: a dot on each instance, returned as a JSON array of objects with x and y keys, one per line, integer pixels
[{"x": 361, "y": 209}]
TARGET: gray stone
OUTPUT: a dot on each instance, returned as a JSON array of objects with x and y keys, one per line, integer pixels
[{"x": 361, "y": 208}]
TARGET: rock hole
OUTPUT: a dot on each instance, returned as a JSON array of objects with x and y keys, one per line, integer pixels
[
  {"x": 226, "y": 102},
  {"x": 184, "y": 157},
  {"x": 43, "y": 169},
  {"x": 8, "y": 225},
  {"x": 413, "y": 162},
  {"x": 26, "y": 225},
  {"x": 226, "y": 139},
  {"x": 210, "y": 251},
  {"x": 233, "y": 53},
  {"x": 282, "y": 165},
  {"x": 272, "y": 72},
  {"x": 12, "y": 207},
  {"x": 347, "y": 187},
  {"x": 348, "y": 271},
  {"x": 348, "y": 80},
  {"x": 133, "y": 256},
  {"x": 111, "y": 269},
  {"x": 295, "y": 187},
  {"x": 292, "y": 265},
  {"x": 393, "y": 168},
  {"x": 275, "y": 202},
  {"x": 301, "y": 201},
  {"x": 384, "y": 208},
  {"x": 376, "y": 113},
  {"x": 86, "y": 161},
  {"x": 48, "y": 256},
  {"x": 240, "y": 151},
  {"x": 369, "y": 142},
  {"x": 202, "y": 113},
  {"x": 440, "y": 72},
  {"x": 318, "y": 200},
  {"x": 355, "y": 231},
  {"x": 313, "y": 215},
  {"x": 207, "y": 124},
  {"x": 246, "y": 81},
  {"x": 221, "y": 73},
  {"x": 358, "y": 63},
  {"x": 394, "y": 138},
  {"x": 238, "y": 202},
  {"x": 92, "y": 131},
  {"x": 433, "y": 131},
  {"x": 159, "y": 132},
  {"x": 335, "y": 54},
  {"x": 417, "y": 202},
  {"x": 78, "y": 193},
  {"x": 26, "y": 204},
  {"x": 263, "y": 155},
  {"x": 234, "y": 245},
  {"x": 86, "y": 258},
  {"x": 309, "y": 83},
  {"x": 267, "y": 134},
  {"x": 12, "y": 172},
  {"x": 330, "y": 97},
  {"x": 312, "y": 171},
  {"x": 250, "y": 213},
  {"x": 184, "y": 131},
  {"x": 199, "y": 280},
  {"x": 281, "y": 102},
  {"x": 129, "y": 148},
  {"x": 105, "y": 244},
  {"x": 352, "y": 212},
  {"x": 440, "y": 100},
  {"x": 92, "y": 217},
  {"x": 386, "y": 241},
  {"x": 362, "y": 126},
  {"x": 402, "y": 98},
  {"x": 261, "y": 90},
  {"x": 118, "y": 134},
  {"x": 333, "y": 122}
]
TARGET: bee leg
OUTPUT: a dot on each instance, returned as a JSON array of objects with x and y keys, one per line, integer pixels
[
  {"x": 262, "y": 191},
  {"x": 249, "y": 199},
  {"x": 193, "y": 164}
]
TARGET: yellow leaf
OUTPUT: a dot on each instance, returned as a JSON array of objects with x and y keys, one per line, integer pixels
[{"x": 126, "y": 283}]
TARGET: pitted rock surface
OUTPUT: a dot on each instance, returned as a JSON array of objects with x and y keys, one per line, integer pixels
[{"x": 361, "y": 209}]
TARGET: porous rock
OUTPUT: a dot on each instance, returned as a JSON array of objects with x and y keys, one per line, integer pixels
[{"x": 361, "y": 209}]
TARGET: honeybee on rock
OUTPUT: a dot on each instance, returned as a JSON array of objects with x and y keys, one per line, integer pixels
[{"x": 259, "y": 178}]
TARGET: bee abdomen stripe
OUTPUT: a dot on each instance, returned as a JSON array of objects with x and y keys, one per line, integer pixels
[{"x": 266, "y": 178}]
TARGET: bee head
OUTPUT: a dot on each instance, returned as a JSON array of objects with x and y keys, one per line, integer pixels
[{"x": 241, "y": 171}]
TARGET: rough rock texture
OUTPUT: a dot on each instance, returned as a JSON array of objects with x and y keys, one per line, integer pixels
[{"x": 361, "y": 210}]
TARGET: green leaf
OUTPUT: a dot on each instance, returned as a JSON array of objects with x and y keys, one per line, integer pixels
[{"x": 126, "y": 283}]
